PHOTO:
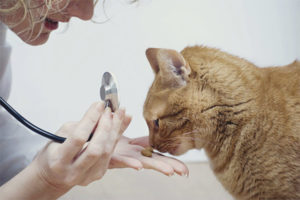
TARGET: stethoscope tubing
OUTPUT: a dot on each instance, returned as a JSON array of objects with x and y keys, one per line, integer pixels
[
  {"x": 28, "y": 124},
  {"x": 107, "y": 79},
  {"x": 33, "y": 127}
]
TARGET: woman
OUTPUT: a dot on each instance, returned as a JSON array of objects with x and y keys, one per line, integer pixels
[{"x": 59, "y": 167}]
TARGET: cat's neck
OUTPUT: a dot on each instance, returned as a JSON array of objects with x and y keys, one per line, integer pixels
[{"x": 221, "y": 149}]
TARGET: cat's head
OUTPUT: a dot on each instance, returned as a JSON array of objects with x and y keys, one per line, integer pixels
[
  {"x": 192, "y": 98},
  {"x": 167, "y": 109}
]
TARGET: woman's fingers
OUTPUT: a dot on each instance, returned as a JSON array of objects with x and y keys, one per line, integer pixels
[
  {"x": 66, "y": 129},
  {"x": 179, "y": 167},
  {"x": 108, "y": 129},
  {"x": 78, "y": 137},
  {"x": 131, "y": 148},
  {"x": 164, "y": 164},
  {"x": 150, "y": 163},
  {"x": 78, "y": 162},
  {"x": 119, "y": 161},
  {"x": 104, "y": 140},
  {"x": 125, "y": 124},
  {"x": 96, "y": 172},
  {"x": 118, "y": 124},
  {"x": 98, "y": 153},
  {"x": 99, "y": 143}
]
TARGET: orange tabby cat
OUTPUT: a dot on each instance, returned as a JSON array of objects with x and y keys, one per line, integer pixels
[{"x": 246, "y": 118}]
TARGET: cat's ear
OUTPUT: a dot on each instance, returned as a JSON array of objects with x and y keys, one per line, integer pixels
[
  {"x": 151, "y": 54},
  {"x": 170, "y": 64}
]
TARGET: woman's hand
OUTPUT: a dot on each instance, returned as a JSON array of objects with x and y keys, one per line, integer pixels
[
  {"x": 59, "y": 167},
  {"x": 77, "y": 162},
  {"x": 128, "y": 154}
]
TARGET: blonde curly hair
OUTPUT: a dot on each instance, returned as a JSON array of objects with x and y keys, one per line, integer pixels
[
  {"x": 36, "y": 11},
  {"x": 11, "y": 7}
]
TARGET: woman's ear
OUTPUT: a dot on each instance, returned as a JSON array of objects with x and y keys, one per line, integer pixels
[{"x": 170, "y": 64}]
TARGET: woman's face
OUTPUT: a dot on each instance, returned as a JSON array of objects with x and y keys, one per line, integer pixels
[{"x": 45, "y": 20}]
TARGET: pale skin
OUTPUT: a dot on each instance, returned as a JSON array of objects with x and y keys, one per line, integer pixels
[{"x": 59, "y": 167}]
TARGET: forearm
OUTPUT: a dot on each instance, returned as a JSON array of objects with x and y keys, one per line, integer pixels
[{"x": 28, "y": 185}]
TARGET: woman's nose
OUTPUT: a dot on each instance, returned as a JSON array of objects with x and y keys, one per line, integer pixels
[{"x": 83, "y": 9}]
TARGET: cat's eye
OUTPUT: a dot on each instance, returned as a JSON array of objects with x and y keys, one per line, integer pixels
[{"x": 156, "y": 123}]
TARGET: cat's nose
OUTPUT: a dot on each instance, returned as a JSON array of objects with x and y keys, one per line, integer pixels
[
  {"x": 152, "y": 135},
  {"x": 151, "y": 141},
  {"x": 152, "y": 145}
]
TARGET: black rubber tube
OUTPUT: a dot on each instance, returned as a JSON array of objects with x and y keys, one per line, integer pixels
[{"x": 29, "y": 125}]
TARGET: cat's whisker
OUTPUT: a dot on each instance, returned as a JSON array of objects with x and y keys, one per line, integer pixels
[
  {"x": 170, "y": 122},
  {"x": 185, "y": 118},
  {"x": 170, "y": 140},
  {"x": 203, "y": 140},
  {"x": 175, "y": 122},
  {"x": 193, "y": 131}
]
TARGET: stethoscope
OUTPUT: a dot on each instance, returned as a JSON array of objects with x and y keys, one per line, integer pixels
[{"x": 108, "y": 94}]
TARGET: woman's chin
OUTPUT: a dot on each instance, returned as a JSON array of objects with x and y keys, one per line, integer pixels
[{"x": 40, "y": 40}]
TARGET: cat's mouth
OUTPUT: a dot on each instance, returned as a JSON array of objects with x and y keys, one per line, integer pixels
[
  {"x": 165, "y": 148},
  {"x": 174, "y": 152},
  {"x": 174, "y": 148}
]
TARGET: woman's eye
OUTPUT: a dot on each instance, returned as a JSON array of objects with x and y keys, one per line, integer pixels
[{"x": 156, "y": 123}]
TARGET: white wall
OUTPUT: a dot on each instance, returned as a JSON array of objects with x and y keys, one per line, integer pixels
[{"x": 57, "y": 82}]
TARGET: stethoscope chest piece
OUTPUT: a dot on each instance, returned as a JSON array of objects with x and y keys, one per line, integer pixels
[{"x": 109, "y": 91}]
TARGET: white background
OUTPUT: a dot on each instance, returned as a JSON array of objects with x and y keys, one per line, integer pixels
[{"x": 56, "y": 82}]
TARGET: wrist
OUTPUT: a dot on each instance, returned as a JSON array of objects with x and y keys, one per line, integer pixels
[
  {"x": 51, "y": 190},
  {"x": 30, "y": 184}
]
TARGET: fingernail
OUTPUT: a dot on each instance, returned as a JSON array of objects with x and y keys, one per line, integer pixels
[
  {"x": 140, "y": 169},
  {"x": 172, "y": 174},
  {"x": 107, "y": 109},
  {"x": 100, "y": 105},
  {"x": 184, "y": 175},
  {"x": 121, "y": 113}
]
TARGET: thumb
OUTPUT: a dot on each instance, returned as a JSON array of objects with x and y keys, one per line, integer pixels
[
  {"x": 141, "y": 141},
  {"x": 125, "y": 123}
]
